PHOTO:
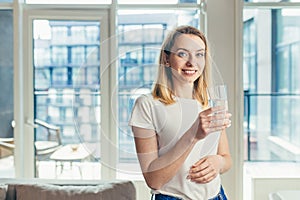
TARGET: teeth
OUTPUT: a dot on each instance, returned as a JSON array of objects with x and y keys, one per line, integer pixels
[{"x": 189, "y": 71}]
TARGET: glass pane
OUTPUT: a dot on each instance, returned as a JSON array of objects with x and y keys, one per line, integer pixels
[
  {"x": 156, "y": 1},
  {"x": 140, "y": 37},
  {"x": 6, "y": 1},
  {"x": 68, "y": 2},
  {"x": 6, "y": 97},
  {"x": 67, "y": 96},
  {"x": 271, "y": 84}
]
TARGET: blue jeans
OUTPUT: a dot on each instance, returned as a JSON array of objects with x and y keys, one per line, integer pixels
[{"x": 220, "y": 196}]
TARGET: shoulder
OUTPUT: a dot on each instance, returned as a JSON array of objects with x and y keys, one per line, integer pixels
[
  {"x": 145, "y": 99},
  {"x": 148, "y": 102}
]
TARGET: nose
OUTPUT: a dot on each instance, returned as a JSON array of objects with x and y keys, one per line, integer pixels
[
  {"x": 189, "y": 64},
  {"x": 191, "y": 61}
]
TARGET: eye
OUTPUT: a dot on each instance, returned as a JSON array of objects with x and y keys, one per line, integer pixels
[
  {"x": 182, "y": 54},
  {"x": 200, "y": 54}
]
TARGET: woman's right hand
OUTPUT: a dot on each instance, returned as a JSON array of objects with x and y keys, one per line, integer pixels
[{"x": 211, "y": 120}]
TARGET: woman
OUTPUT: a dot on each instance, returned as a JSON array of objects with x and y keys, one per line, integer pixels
[{"x": 181, "y": 143}]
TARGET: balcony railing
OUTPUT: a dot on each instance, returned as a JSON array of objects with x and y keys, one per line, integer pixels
[{"x": 271, "y": 127}]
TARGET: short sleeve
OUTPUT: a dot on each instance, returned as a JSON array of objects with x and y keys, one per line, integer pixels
[{"x": 141, "y": 115}]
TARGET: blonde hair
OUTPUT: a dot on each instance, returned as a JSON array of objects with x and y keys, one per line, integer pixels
[{"x": 163, "y": 87}]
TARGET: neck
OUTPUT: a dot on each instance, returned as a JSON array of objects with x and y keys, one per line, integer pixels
[{"x": 184, "y": 90}]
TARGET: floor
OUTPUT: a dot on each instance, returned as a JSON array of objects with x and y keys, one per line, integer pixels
[
  {"x": 47, "y": 170},
  {"x": 7, "y": 167},
  {"x": 82, "y": 170}
]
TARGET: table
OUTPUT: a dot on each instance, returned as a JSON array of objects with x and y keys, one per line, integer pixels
[{"x": 70, "y": 153}]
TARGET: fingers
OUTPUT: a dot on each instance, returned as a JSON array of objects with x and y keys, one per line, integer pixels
[
  {"x": 203, "y": 171},
  {"x": 218, "y": 125},
  {"x": 213, "y": 110},
  {"x": 204, "y": 175},
  {"x": 223, "y": 123},
  {"x": 214, "y": 113},
  {"x": 204, "y": 178},
  {"x": 212, "y": 120},
  {"x": 215, "y": 122}
]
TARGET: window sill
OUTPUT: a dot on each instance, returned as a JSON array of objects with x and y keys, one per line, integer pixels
[
  {"x": 284, "y": 148},
  {"x": 272, "y": 169}
]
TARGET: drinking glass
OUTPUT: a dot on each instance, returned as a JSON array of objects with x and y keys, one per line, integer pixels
[{"x": 218, "y": 96}]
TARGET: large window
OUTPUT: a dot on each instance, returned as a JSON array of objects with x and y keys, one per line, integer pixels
[
  {"x": 6, "y": 88},
  {"x": 67, "y": 86},
  {"x": 271, "y": 83}
]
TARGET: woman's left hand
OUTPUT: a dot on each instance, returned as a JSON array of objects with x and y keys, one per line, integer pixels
[{"x": 206, "y": 169}]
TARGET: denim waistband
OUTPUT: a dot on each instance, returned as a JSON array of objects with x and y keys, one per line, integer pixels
[
  {"x": 221, "y": 196},
  {"x": 164, "y": 197}
]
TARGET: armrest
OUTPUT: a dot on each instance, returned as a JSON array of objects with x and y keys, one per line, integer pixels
[
  {"x": 46, "y": 125},
  {"x": 7, "y": 145},
  {"x": 7, "y": 140},
  {"x": 50, "y": 128}
]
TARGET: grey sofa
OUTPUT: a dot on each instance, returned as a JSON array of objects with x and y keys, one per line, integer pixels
[{"x": 39, "y": 189}]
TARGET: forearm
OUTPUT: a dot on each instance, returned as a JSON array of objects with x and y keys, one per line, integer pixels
[
  {"x": 225, "y": 163},
  {"x": 224, "y": 153},
  {"x": 164, "y": 167}
]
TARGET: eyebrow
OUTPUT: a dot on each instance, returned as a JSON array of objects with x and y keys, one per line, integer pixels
[{"x": 180, "y": 48}]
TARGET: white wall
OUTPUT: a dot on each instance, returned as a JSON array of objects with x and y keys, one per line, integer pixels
[{"x": 224, "y": 23}]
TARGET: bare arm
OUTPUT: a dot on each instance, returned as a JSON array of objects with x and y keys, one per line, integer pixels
[{"x": 224, "y": 153}]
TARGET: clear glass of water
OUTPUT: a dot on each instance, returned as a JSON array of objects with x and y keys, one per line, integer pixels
[{"x": 218, "y": 96}]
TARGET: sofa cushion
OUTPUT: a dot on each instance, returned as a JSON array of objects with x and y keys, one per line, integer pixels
[{"x": 110, "y": 191}]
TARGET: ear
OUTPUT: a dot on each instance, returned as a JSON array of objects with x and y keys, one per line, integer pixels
[{"x": 166, "y": 60}]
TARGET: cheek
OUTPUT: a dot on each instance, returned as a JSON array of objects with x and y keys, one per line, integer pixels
[
  {"x": 201, "y": 66},
  {"x": 177, "y": 64},
  {"x": 202, "y": 63}
]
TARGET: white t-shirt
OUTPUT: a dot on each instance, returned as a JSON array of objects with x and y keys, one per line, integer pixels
[{"x": 170, "y": 122}]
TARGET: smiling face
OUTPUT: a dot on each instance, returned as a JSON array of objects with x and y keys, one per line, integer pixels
[
  {"x": 187, "y": 58},
  {"x": 184, "y": 66}
]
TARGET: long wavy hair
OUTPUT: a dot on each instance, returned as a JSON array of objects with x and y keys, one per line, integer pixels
[{"x": 163, "y": 88}]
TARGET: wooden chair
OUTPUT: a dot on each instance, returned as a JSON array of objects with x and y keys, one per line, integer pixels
[
  {"x": 51, "y": 142},
  {"x": 43, "y": 148},
  {"x": 7, "y": 147}
]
